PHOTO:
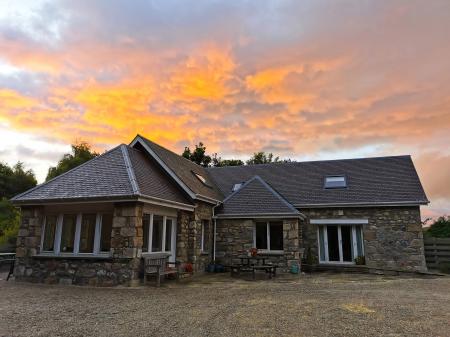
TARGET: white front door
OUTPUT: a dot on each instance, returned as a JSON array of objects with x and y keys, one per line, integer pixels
[{"x": 340, "y": 243}]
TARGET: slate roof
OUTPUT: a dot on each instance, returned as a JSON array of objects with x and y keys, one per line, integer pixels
[
  {"x": 371, "y": 181},
  {"x": 255, "y": 197},
  {"x": 184, "y": 169},
  {"x": 122, "y": 172}
]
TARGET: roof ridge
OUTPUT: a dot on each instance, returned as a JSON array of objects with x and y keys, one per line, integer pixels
[
  {"x": 306, "y": 161},
  {"x": 172, "y": 152},
  {"x": 278, "y": 195},
  {"x": 65, "y": 173},
  {"x": 130, "y": 169},
  {"x": 268, "y": 187}
]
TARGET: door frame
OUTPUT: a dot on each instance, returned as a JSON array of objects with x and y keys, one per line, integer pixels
[{"x": 339, "y": 232}]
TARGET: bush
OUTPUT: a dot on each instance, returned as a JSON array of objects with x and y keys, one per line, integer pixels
[
  {"x": 444, "y": 267},
  {"x": 9, "y": 223},
  {"x": 440, "y": 228}
]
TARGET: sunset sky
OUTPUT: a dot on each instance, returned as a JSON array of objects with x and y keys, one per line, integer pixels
[{"x": 302, "y": 79}]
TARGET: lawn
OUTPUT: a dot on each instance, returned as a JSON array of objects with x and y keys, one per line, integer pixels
[{"x": 216, "y": 305}]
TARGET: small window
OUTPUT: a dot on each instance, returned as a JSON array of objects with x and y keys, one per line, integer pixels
[
  {"x": 269, "y": 235},
  {"x": 87, "y": 233},
  {"x": 157, "y": 233},
  {"x": 236, "y": 187},
  {"x": 335, "y": 182},
  {"x": 49, "y": 235},
  {"x": 206, "y": 237},
  {"x": 68, "y": 233},
  {"x": 105, "y": 238},
  {"x": 200, "y": 177}
]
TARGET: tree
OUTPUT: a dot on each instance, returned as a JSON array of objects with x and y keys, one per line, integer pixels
[
  {"x": 198, "y": 156},
  {"x": 263, "y": 158},
  {"x": 15, "y": 180},
  {"x": 9, "y": 222},
  {"x": 219, "y": 162},
  {"x": 440, "y": 228},
  {"x": 81, "y": 153}
]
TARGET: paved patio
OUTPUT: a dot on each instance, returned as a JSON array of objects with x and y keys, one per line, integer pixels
[{"x": 216, "y": 305}]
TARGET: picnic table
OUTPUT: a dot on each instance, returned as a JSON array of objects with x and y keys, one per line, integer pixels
[
  {"x": 253, "y": 264},
  {"x": 8, "y": 258}
]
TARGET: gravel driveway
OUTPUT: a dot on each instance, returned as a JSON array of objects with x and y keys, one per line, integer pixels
[{"x": 215, "y": 305}]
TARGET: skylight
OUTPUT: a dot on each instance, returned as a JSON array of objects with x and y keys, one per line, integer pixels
[
  {"x": 335, "y": 182},
  {"x": 236, "y": 187},
  {"x": 200, "y": 177}
]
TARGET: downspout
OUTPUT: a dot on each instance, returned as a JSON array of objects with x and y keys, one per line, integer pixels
[{"x": 214, "y": 238}]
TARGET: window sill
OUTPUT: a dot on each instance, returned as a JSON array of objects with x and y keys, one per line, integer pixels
[
  {"x": 73, "y": 256},
  {"x": 271, "y": 252}
]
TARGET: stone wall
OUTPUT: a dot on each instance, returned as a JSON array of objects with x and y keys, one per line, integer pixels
[
  {"x": 122, "y": 267},
  {"x": 189, "y": 236},
  {"x": 392, "y": 238},
  {"x": 235, "y": 236}
]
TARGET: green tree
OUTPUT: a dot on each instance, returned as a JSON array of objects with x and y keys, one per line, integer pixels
[
  {"x": 15, "y": 180},
  {"x": 440, "y": 228},
  {"x": 219, "y": 162},
  {"x": 198, "y": 156},
  {"x": 81, "y": 153},
  {"x": 9, "y": 223},
  {"x": 265, "y": 158}
]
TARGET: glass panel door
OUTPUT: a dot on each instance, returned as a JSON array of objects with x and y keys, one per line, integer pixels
[
  {"x": 346, "y": 242},
  {"x": 340, "y": 243},
  {"x": 333, "y": 243}
]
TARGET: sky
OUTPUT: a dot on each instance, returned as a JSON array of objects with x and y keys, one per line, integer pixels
[{"x": 305, "y": 80}]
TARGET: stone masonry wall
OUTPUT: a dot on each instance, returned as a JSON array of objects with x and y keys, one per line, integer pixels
[
  {"x": 392, "y": 238},
  {"x": 122, "y": 267},
  {"x": 235, "y": 236},
  {"x": 189, "y": 236}
]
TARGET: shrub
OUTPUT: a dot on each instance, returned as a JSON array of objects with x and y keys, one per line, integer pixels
[{"x": 440, "y": 228}]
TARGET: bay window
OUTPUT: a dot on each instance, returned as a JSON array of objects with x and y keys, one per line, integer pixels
[
  {"x": 82, "y": 233},
  {"x": 268, "y": 235}
]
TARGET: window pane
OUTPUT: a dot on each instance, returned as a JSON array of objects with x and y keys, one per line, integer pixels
[
  {"x": 276, "y": 236},
  {"x": 206, "y": 235},
  {"x": 261, "y": 235},
  {"x": 359, "y": 241},
  {"x": 87, "y": 233},
  {"x": 322, "y": 243},
  {"x": 68, "y": 233},
  {"x": 105, "y": 238},
  {"x": 145, "y": 227},
  {"x": 169, "y": 224},
  {"x": 49, "y": 235},
  {"x": 157, "y": 233}
]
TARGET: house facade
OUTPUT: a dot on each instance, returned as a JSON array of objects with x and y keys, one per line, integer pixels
[{"x": 94, "y": 224}]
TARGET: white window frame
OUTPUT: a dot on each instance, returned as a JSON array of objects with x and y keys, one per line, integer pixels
[
  {"x": 163, "y": 244},
  {"x": 76, "y": 246},
  {"x": 268, "y": 250},
  {"x": 339, "y": 224}
]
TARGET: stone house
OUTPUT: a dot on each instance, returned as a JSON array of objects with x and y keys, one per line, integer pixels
[{"x": 93, "y": 224}]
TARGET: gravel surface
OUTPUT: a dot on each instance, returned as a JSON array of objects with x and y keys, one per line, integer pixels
[{"x": 216, "y": 305}]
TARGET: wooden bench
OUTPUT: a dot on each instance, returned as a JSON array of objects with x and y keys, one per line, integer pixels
[{"x": 159, "y": 266}]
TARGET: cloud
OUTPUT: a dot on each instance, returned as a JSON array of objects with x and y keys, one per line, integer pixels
[{"x": 309, "y": 79}]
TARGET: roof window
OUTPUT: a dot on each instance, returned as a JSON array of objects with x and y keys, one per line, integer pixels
[
  {"x": 200, "y": 177},
  {"x": 236, "y": 187},
  {"x": 335, "y": 182}
]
